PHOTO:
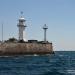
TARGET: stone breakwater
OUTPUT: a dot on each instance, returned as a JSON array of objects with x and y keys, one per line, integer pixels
[{"x": 25, "y": 48}]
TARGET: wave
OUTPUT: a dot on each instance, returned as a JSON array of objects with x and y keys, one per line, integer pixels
[{"x": 71, "y": 71}]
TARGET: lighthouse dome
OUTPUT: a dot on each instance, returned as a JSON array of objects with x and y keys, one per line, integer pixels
[{"x": 21, "y": 18}]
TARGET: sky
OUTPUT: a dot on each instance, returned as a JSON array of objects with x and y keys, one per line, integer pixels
[{"x": 58, "y": 15}]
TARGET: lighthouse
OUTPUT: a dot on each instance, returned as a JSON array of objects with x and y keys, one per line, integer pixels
[
  {"x": 45, "y": 29},
  {"x": 21, "y": 25}
]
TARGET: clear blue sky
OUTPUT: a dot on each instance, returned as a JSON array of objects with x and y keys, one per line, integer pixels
[{"x": 59, "y": 15}]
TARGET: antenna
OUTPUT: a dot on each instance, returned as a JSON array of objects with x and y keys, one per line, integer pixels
[
  {"x": 21, "y": 13},
  {"x": 2, "y": 32}
]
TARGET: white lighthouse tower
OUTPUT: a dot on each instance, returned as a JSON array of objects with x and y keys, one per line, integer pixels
[
  {"x": 21, "y": 25},
  {"x": 45, "y": 29}
]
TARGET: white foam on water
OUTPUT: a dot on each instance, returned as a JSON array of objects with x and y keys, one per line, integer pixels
[
  {"x": 61, "y": 55},
  {"x": 5, "y": 56},
  {"x": 71, "y": 71},
  {"x": 35, "y": 55}
]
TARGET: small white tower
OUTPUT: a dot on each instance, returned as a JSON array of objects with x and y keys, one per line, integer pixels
[
  {"x": 21, "y": 26},
  {"x": 45, "y": 29}
]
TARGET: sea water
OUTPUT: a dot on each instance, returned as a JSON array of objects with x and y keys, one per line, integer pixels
[{"x": 60, "y": 63}]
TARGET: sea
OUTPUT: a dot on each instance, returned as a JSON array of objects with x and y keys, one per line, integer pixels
[{"x": 60, "y": 63}]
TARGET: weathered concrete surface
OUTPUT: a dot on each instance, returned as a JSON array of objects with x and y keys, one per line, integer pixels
[{"x": 25, "y": 48}]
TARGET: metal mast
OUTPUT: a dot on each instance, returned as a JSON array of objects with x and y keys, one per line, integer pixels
[
  {"x": 45, "y": 29},
  {"x": 2, "y": 32},
  {"x": 21, "y": 26}
]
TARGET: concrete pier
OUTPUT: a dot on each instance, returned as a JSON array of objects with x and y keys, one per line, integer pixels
[{"x": 25, "y": 48}]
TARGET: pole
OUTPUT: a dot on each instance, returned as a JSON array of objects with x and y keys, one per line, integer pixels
[
  {"x": 44, "y": 35},
  {"x": 2, "y": 33}
]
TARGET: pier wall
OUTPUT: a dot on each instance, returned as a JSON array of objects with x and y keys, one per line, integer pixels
[{"x": 26, "y": 48}]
